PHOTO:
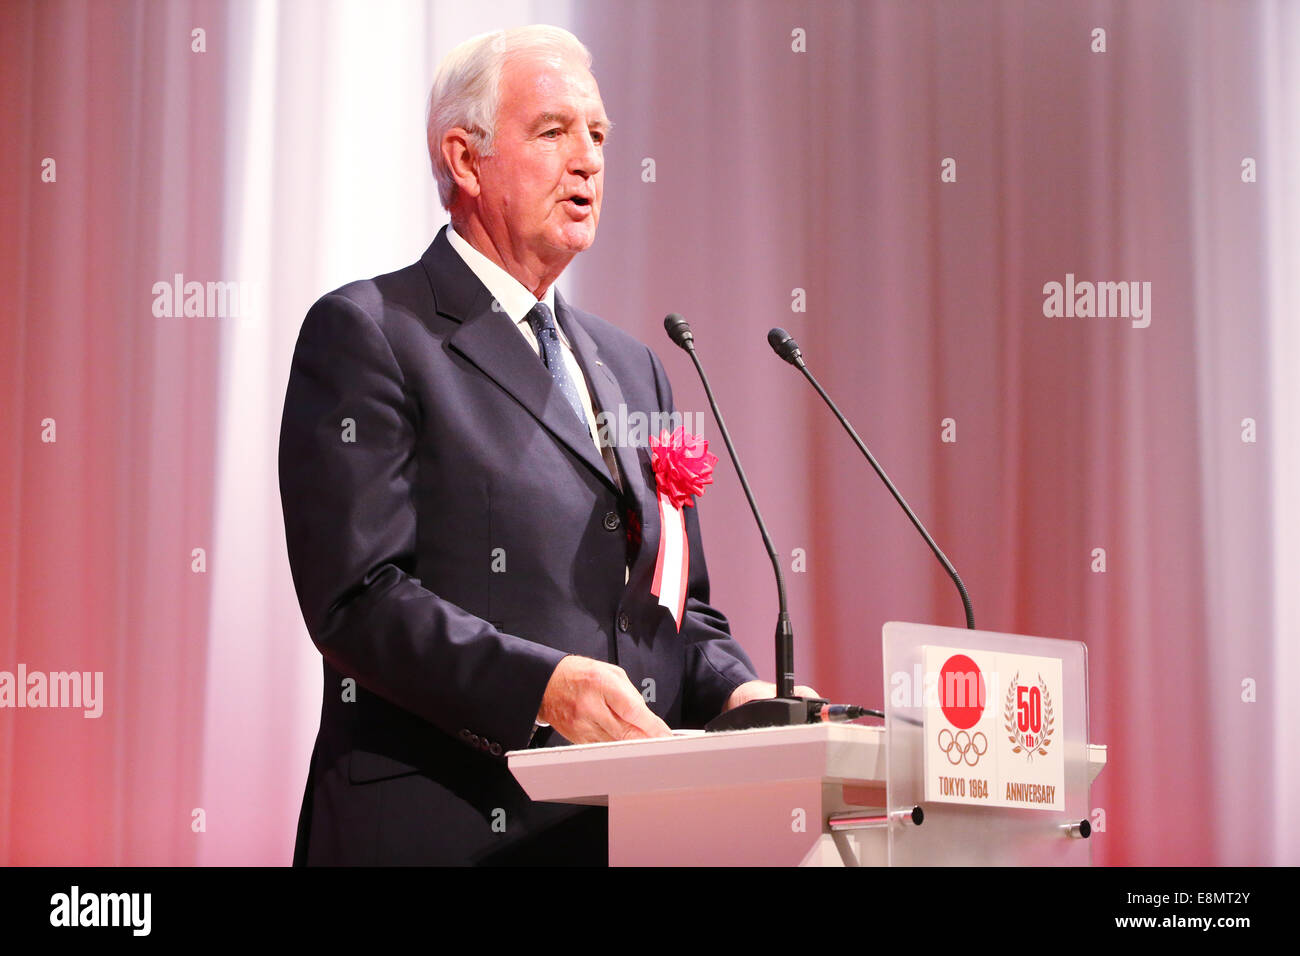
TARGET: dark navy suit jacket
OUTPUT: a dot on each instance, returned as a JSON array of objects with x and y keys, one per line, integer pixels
[{"x": 453, "y": 533}]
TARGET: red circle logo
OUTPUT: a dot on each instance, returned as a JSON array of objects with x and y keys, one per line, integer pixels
[{"x": 961, "y": 691}]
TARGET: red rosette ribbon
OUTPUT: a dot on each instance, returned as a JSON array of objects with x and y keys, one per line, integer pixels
[{"x": 682, "y": 465}]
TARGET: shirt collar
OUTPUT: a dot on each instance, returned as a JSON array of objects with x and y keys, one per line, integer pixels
[{"x": 515, "y": 300}]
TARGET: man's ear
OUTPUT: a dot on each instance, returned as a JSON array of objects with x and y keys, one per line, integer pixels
[{"x": 459, "y": 155}]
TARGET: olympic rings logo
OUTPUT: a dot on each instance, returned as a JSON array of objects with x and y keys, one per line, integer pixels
[{"x": 962, "y": 747}]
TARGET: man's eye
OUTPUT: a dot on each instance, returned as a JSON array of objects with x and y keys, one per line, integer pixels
[
  {"x": 552, "y": 133},
  {"x": 598, "y": 139}
]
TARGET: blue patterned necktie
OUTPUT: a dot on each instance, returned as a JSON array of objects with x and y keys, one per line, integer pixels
[{"x": 548, "y": 337}]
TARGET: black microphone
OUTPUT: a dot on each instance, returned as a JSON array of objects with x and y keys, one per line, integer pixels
[
  {"x": 785, "y": 708},
  {"x": 788, "y": 349}
]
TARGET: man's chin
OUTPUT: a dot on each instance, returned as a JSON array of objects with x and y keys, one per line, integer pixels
[{"x": 576, "y": 238}]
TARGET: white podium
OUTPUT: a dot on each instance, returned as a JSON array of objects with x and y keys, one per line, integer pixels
[
  {"x": 984, "y": 759},
  {"x": 763, "y": 797}
]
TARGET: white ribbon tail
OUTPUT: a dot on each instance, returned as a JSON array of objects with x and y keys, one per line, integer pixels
[{"x": 673, "y": 563}]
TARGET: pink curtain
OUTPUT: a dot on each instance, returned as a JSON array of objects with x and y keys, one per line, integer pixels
[
  {"x": 778, "y": 170},
  {"x": 744, "y": 179},
  {"x": 98, "y": 526}
]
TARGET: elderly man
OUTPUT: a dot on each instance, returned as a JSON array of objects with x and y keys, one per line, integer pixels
[{"x": 474, "y": 564}]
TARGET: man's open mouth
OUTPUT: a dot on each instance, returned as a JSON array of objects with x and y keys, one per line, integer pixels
[{"x": 580, "y": 200}]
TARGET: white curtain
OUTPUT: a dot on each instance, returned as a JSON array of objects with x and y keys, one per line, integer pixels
[{"x": 329, "y": 181}]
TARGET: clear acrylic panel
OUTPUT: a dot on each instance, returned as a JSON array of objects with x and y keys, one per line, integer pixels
[{"x": 1007, "y": 745}]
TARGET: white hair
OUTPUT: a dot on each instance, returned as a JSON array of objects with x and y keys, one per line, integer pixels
[{"x": 466, "y": 91}]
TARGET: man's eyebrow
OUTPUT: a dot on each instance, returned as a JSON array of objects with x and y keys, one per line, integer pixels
[{"x": 546, "y": 119}]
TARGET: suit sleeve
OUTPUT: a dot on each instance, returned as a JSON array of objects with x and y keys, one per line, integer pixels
[
  {"x": 347, "y": 467},
  {"x": 716, "y": 664}
]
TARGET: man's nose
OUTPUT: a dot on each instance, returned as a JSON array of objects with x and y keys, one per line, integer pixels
[{"x": 586, "y": 159}]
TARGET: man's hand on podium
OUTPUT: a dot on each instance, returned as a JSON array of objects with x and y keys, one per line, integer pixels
[
  {"x": 589, "y": 701},
  {"x": 761, "y": 689}
]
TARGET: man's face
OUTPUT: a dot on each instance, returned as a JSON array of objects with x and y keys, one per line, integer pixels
[{"x": 544, "y": 181}]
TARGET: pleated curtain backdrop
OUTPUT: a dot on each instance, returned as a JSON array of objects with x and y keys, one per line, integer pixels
[{"x": 772, "y": 163}]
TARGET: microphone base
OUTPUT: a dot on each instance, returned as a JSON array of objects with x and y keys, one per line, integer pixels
[{"x": 769, "y": 712}]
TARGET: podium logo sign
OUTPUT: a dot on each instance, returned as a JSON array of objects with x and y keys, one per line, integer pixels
[{"x": 992, "y": 729}]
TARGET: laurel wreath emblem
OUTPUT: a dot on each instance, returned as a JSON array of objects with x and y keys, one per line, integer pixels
[{"x": 1009, "y": 718}]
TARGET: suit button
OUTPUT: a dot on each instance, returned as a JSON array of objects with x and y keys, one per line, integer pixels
[
  {"x": 465, "y": 734},
  {"x": 612, "y": 521},
  {"x": 495, "y": 749},
  {"x": 624, "y": 622}
]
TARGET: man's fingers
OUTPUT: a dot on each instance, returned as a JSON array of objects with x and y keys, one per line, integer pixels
[
  {"x": 605, "y": 719},
  {"x": 644, "y": 728},
  {"x": 651, "y": 724},
  {"x": 642, "y": 717},
  {"x": 605, "y": 723},
  {"x": 630, "y": 708},
  {"x": 589, "y": 701}
]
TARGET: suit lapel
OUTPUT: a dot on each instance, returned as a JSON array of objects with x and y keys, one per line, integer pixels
[
  {"x": 490, "y": 340},
  {"x": 633, "y": 460},
  {"x": 607, "y": 396}
]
